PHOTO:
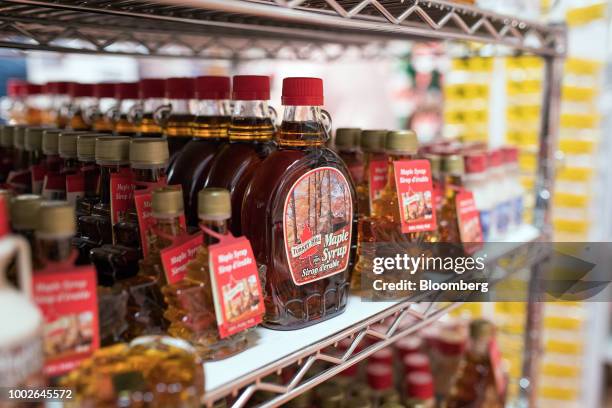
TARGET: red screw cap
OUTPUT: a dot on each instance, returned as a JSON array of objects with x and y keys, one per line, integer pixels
[
  {"x": 420, "y": 386},
  {"x": 408, "y": 345},
  {"x": 33, "y": 89},
  {"x": 180, "y": 88},
  {"x": 126, "y": 90},
  {"x": 77, "y": 90},
  {"x": 383, "y": 356},
  {"x": 416, "y": 362},
  {"x": 104, "y": 90},
  {"x": 476, "y": 163},
  {"x": 451, "y": 344},
  {"x": 251, "y": 88},
  {"x": 15, "y": 87},
  {"x": 151, "y": 88},
  {"x": 213, "y": 87},
  {"x": 380, "y": 376},
  {"x": 57, "y": 88},
  {"x": 302, "y": 92}
]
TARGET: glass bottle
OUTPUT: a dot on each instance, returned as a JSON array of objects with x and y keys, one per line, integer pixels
[
  {"x": 448, "y": 225},
  {"x": 13, "y": 105},
  {"x": 209, "y": 130},
  {"x": 86, "y": 156},
  {"x": 59, "y": 105},
  {"x": 7, "y": 151},
  {"x": 126, "y": 94},
  {"x": 191, "y": 310},
  {"x": 296, "y": 295},
  {"x": 474, "y": 384},
  {"x": 83, "y": 104},
  {"x": 374, "y": 169},
  {"x": 151, "y": 93},
  {"x": 104, "y": 108},
  {"x": 250, "y": 141},
  {"x": 55, "y": 228},
  {"x": 346, "y": 145},
  {"x": 179, "y": 93},
  {"x": 54, "y": 186},
  {"x": 33, "y": 147}
]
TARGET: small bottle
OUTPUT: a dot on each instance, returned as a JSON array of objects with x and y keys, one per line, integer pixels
[
  {"x": 7, "y": 151},
  {"x": 54, "y": 186},
  {"x": 448, "y": 225},
  {"x": 346, "y": 145},
  {"x": 33, "y": 147},
  {"x": 151, "y": 92},
  {"x": 450, "y": 346},
  {"x": 437, "y": 177},
  {"x": 67, "y": 150},
  {"x": 191, "y": 309},
  {"x": 126, "y": 94},
  {"x": 55, "y": 229},
  {"x": 380, "y": 381},
  {"x": 24, "y": 210},
  {"x": 86, "y": 156},
  {"x": 474, "y": 384},
  {"x": 374, "y": 170},
  {"x": 83, "y": 104},
  {"x": 303, "y": 174},
  {"x": 105, "y": 107},
  {"x": 191, "y": 167},
  {"x": 36, "y": 103},
  {"x": 419, "y": 391},
  {"x": 251, "y": 134},
  {"x": 179, "y": 93},
  {"x": 60, "y": 102}
]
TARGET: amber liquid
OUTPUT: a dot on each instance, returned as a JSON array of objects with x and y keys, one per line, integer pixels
[
  {"x": 124, "y": 127},
  {"x": 102, "y": 124},
  {"x": 77, "y": 121},
  {"x": 191, "y": 309},
  {"x": 148, "y": 127},
  {"x": 354, "y": 161},
  {"x": 234, "y": 165},
  {"x": 192, "y": 165},
  {"x": 448, "y": 226},
  {"x": 34, "y": 117},
  {"x": 289, "y": 306}
]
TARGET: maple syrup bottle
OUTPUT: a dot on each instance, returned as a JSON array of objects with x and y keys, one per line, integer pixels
[
  {"x": 54, "y": 186},
  {"x": 33, "y": 147},
  {"x": 55, "y": 228},
  {"x": 474, "y": 384},
  {"x": 347, "y": 146},
  {"x": 86, "y": 156},
  {"x": 250, "y": 141},
  {"x": 151, "y": 92},
  {"x": 83, "y": 106},
  {"x": 105, "y": 107},
  {"x": 374, "y": 170},
  {"x": 191, "y": 309},
  {"x": 126, "y": 94},
  {"x": 299, "y": 213},
  {"x": 179, "y": 93},
  {"x": 448, "y": 226},
  {"x": 60, "y": 103},
  {"x": 50, "y": 149},
  {"x": 7, "y": 151},
  {"x": 209, "y": 130}
]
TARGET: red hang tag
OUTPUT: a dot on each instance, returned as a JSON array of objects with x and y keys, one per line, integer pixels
[
  {"x": 235, "y": 282},
  {"x": 75, "y": 187},
  {"x": 67, "y": 297},
  {"x": 415, "y": 195},
  {"x": 19, "y": 181},
  {"x": 38, "y": 172},
  {"x": 470, "y": 230},
  {"x": 54, "y": 186},
  {"x": 175, "y": 258},
  {"x": 122, "y": 194},
  {"x": 498, "y": 370},
  {"x": 378, "y": 179}
]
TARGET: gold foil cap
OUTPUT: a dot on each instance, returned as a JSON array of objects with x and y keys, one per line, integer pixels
[
  {"x": 214, "y": 203},
  {"x": 56, "y": 218},
  {"x": 7, "y": 136},
  {"x": 404, "y": 141},
  {"x": 347, "y": 137},
  {"x": 33, "y": 139},
  {"x": 373, "y": 140},
  {"x": 113, "y": 149},
  {"x": 68, "y": 145},
  {"x": 86, "y": 146},
  {"x": 19, "y": 137},
  {"x": 24, "y": 211},
  {"x": 453, "y": 164},
  {"x": 50, "y": 141},
  {"x": 167, "y": 201},
  {"x": 481, "y": 329},
  {"x": 149, "y": 151}
]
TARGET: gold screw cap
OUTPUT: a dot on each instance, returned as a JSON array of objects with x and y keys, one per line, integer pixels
[
  {"x": 148, "y": 151},
  {"x": 167, "y": 201},
  {"x": 24, "y": 211},
  {"x": 33, "y": 139},
  {"x": 86, "y": 146},
  {"x": 113, "y": 149},
  {"x": 214, "y": 203},
  {"x": 50, "y": 140},
  {"x": 453, "y": 164},
  {"x": 403, "y": 141},
  {"x": 68, "y": 145},
  {"x": 373, "y": 140},
  {"x": 56, "y": 218},
  {"x": 7, "y": 136},
  {"x": 19, "y": 137},
  {"x": 347, "y": 137}
]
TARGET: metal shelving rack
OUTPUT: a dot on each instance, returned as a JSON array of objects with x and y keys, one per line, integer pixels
[{"x": 317, "y": 30}]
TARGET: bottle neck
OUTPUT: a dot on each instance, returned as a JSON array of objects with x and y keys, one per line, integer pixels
[
  {"x": 170, "y": 225},
  {"x": 106, "y": 170},
  {"x": 51, "y": 249},
  {"x": 125, "y": 105},
  {"x": 453, "y": 183},
  {"x": 180, "y": 106},
  {"x": 251, "y": 120},
  {"x": 151, "y": 174},
  {"x": 220, "y": 226},
  {"x": 302, "y": 126}
]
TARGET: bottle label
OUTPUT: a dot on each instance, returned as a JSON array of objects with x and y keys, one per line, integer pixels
[
  {"x": 38, "y": 173},
  {"x": 377, "y": 179},
  {"x": 469, "y": 221},
  {"x": 122, "y": 194},
  {"x": 485, "y": 224},
  {"x": 236, "y": 287},
  {"x": 22, "y": 364},
  {"x": 175, "y": 258},
  {"x": 75, "y": 187},
  {"x": 317, "y": 225},
  {"x": 415, "y": 196},
  {"x": 54, "y": 186},
  {"x": 67, "y": 298}
]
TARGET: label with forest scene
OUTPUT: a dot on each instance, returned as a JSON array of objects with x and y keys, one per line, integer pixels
[{"x": 317, "y": 225}]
